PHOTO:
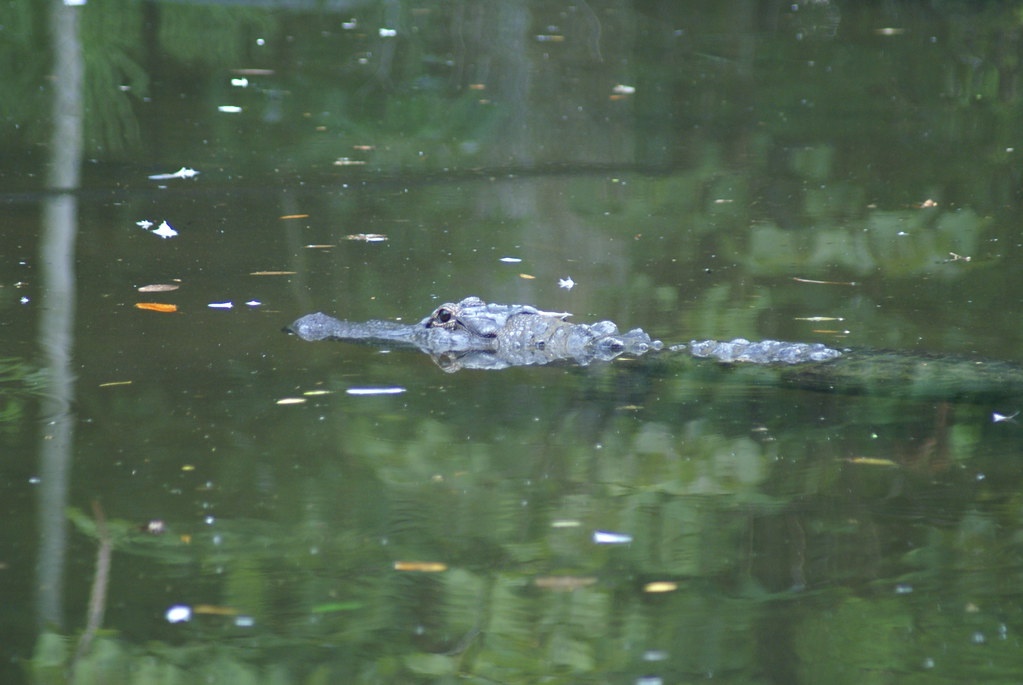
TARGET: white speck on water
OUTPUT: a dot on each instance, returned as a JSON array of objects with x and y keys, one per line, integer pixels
[
  {"x": 165, "y": 231},
  {"x": 179, "y": 613},
  {"x": 394, "y": 390},
  {"x": 607, "y": 537}
]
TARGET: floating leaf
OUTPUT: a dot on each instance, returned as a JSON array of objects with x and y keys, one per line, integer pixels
[
  {"x": 211, "y": 610},
  {"x": 810, "y": 280},
  {"x": 165, "y": 230},
  {"x": 607, "y": 537},
  {"x": 871, "y": 461},
  {"x": 396, "y": 390},
  {"x": 291, "y": 400},
  {"x": 178, "y": 613},
  {"x": 158, "y": 288},
  {"x": 183, "y": 172},
  {"x": 660, "y": 586},
  {"x": 367, "y": 237},
  {"x": 564, "y": 583},
  {"x": 156, "y": 307},
  {"x": 420, "y": 566},
  {"x": 294, "y": 216}
]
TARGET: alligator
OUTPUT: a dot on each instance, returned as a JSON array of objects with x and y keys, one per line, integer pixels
[{"x": 472, "y": 334}]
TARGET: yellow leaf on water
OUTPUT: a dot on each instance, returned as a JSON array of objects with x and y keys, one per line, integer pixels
[
  {"x": 156, "y": 307},
  {"x": 421, "y": 566},
  {"x": 661, "y": 586}
]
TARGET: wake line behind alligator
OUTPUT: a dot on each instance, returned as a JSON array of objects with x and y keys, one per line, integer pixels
[{"x": 472, "y": 334}]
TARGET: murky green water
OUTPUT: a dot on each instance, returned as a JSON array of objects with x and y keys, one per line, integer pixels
[{"x": 824, "y": 171}]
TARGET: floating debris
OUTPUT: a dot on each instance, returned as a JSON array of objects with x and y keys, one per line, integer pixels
[
  {"x": 421, "y": 566},
  {"x": 564, "y": 583},
  {"x": 607, "y": 537},
  {"x": 165, "y": 230},
  {"x": 660, "y": 586},
  {"x": 285, "y": 401},
  {"x": 179, "y": 613},
  {"x": 158, "y": 288},
  {"x": 567, "y": 283},
  {"x": 156, "y": 307},
  {"x": 272, "y": 273},
  {"x": 229, "y": 109},
  {"x": 253, "y": 303},
  {"x": 872, "y": 461},
  {"x": 394, "y": 390},
  {"x": 183, "y": 172},
  {"x": 510, "y": 260},
  {"x": 145, "y": 224},
  {"x": 809, "y": 280},
  {"x": 367, "y": 237},
  {"x": 220, "y": 305},
  {"x": 253, "y": 72},
  {"x": 998, "y": 418}
]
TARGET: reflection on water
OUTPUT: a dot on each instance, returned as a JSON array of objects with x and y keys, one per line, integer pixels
[
  {"x": 803, "y": 171},
  {"x": 57, "y": 297}
]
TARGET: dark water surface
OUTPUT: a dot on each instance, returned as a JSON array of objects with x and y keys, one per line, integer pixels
[{"x": 827, "y": 171}]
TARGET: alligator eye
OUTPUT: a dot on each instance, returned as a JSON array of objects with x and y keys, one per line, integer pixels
[{"x": 443, "y": 315}]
